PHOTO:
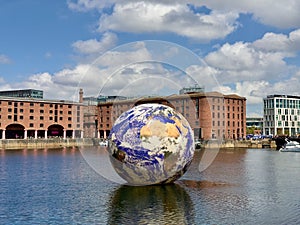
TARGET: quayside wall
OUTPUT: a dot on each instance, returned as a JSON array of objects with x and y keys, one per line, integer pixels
[
  {"x": 47, "y": 143},
  {"x": 239, "y": 144},
  {"x": 77, "y": 142}
]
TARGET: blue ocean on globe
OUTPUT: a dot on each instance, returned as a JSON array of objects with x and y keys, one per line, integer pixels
[{"x": 151, "y": 144}]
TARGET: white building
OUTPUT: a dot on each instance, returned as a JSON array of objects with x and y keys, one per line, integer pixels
[{"x": 282, "y": 115}]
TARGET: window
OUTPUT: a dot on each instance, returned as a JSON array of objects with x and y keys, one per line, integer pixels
[
  {"x": 9, "y": 117},
  {"x": 41, "y": 111},
  {"x": 31, "y": 104},
  {"x": 70, "y": 125},
  {"x": 31, "y": 125},
  {"x": 42, "y": 104},
  {"x": 21, "y": 110},
  {"x": 31, "y": 117},
  {"x": 9, "y": 110},
  {"x": 41, "y": 117},
  {"x": 31, "y": 110},
  {"x": 50, "y": 118},
  {"x": 41, "y": 125}
]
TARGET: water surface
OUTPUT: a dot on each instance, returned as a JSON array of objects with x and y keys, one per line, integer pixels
[{"x": 58, "y": 186}]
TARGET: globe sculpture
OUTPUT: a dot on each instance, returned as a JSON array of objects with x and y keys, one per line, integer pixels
[{"x": 151, "y": 144}]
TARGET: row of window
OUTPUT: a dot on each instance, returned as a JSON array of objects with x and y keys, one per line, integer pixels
[
  {"x": 33, "y": 118},
  {"x": 33, "y": 104},
  {"x": 9, "y": 110},
  {"x": 282, "y": 103},
  {"x": 282, "y": 117},
  {"x": 288, "y": 123}
]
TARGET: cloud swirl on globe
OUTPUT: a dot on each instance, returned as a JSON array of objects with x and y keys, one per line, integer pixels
[{"x": 151, "y": 144}]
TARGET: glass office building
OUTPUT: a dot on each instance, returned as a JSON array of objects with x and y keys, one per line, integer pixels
[
  {"x": 26, "y": 93},
  {"x": 282, "y": 115}
]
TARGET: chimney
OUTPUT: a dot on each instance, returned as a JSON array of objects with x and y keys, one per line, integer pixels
[{"x": 80, "y": 95}]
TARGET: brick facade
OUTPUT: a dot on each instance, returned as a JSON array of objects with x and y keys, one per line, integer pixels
[
  {"x": 34, "y": 118},
  {"x": 211, "y": 115}
]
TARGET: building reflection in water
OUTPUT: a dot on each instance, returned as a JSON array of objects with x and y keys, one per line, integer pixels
[{"x": 166, "y": 204}]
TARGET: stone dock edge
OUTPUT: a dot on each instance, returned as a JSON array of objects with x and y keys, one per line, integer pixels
[{"x": 81, "y": 142}]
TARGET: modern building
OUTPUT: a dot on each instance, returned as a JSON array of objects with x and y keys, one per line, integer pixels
[
  {"x": 256, "y": 124},
  {"x": 282, "y": 115},
  {"x": 25, "y": 93},
  {"x": 194, "y": 89},
  {"x": 211, "y": 114}
]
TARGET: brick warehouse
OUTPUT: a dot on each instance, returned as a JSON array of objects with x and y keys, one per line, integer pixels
[
  {"x": 211, "y": 114},
  {"x": 23, "y": 118}
]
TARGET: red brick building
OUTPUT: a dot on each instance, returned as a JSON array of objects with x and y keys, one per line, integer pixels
[
  {"x": 38, "y": 118},
  {"x": 211, "y": 115}
]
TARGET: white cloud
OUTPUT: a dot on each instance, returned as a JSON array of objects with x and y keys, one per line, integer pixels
[
  {"x": 282, "y": 14},
  {"x": 241, "y": 61},
  {"x": 285, "y": 44},
  {"x": 94, "y": 46},
  {"x": 174, "y": 18},
  {"x": 4, "y": 59},
  {"x": 86, "y": 5}
]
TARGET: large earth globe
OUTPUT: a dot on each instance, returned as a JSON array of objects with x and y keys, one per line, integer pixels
[{"x": 151, "y": 144}]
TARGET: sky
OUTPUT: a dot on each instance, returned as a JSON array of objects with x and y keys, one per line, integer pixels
[{"x": 134, "y": 48}]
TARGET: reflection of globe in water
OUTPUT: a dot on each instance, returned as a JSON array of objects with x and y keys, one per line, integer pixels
[
  {"x": 166, "y": 204},
  {"x": 151, "y": 144}
]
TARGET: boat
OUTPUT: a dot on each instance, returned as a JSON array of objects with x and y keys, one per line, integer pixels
[
  {"x": 290, "y": 146},
  {"x": 103, "y": 143}
]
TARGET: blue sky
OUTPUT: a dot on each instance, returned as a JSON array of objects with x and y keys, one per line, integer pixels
[{"x": 250, "y": 48}]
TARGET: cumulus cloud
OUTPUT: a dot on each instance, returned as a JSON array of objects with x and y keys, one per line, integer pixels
[
  {"x": 288, "y": 45},
  {"x": 267, "y": 12},
  {"x": 241, "y": 61},
  {"x": 94, "y": 46},
  {"x": 282, "y": 14},
  {"x": 175, "y": 18}
]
